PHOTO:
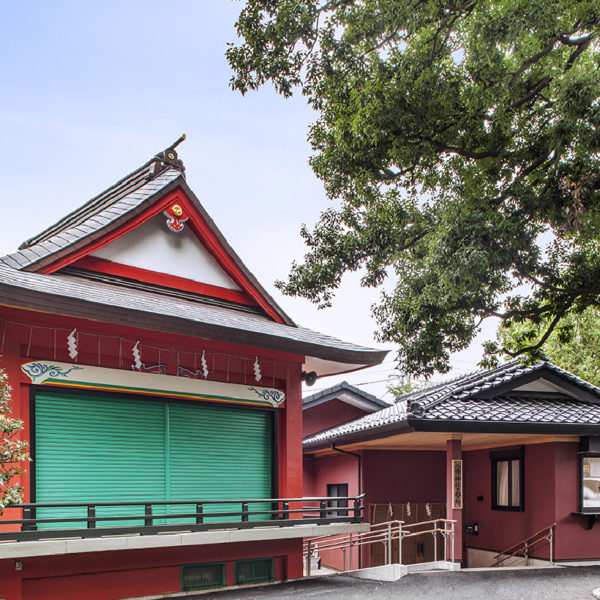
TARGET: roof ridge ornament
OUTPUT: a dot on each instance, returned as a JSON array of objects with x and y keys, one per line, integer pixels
[{"x": 168, "y": 158}]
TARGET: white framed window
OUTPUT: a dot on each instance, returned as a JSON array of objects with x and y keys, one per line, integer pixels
[{"x": 590, "y": 483}]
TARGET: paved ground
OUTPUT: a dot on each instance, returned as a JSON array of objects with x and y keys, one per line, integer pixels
[{"x": 573, "y": 583}]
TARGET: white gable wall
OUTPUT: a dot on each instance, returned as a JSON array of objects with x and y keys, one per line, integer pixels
[
  {"x": 154, "y": 247},
  {"x": 543, "y": 385}
]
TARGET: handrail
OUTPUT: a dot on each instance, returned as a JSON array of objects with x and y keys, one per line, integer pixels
[
  {"x": 189, "y": 501},
  {"x": 393, "y": 531},
  {"x": 547, "y": 534},
  {"x": 381, "y": 534},
  {"x": 151, "y": 517}
]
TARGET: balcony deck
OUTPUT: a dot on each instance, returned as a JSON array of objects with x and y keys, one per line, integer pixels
[{"x": 208, "y": 522}]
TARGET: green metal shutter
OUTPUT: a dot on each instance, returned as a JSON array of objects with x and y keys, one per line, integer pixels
[
  {"x": 92, "y": 448},
  {"x": 220, "y": 452},
  {"x": 97, "y": 448}
]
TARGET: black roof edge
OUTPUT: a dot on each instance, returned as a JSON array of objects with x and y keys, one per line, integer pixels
[
  {"x": 545, "y": 371},
  {"x": 30, "y": 241},
  {"x": 332, "y": 393},
  {"x": 95, "y": 311},
  {"x": 362, "y": 436},
  {"x": 456, "y": 426},
  {"x": 431, "y": 426}
]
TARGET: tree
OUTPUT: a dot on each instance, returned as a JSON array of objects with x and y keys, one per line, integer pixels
[
  {"x": 574, "y": 345},
  {"x": 456, "y": 138},
  {"x": 406, "y": 385},
  {"x": 13, "y": 452}
]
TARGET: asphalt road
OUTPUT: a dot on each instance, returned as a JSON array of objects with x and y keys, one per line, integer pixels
[{"x": 573, "y": 583}]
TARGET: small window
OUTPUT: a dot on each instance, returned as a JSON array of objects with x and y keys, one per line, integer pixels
[
  {"x": 254, "y": 570},
  {"x": 590, "y": 483},
  {"x": 339, "y": 490},
  {"x": 507, "y": 479},
  {"x": 197, "y": 577}
]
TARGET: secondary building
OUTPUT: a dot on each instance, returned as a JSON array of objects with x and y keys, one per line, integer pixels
[{"x": 505, "y": 453}]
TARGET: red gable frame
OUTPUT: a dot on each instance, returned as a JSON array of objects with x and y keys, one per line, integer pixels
[{"x": 249, "y": 296}]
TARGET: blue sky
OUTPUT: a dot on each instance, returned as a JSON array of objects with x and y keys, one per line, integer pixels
[{"x": 91, "y": 90}]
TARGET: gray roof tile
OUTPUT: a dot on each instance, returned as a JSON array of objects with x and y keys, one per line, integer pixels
[
  {"x": 519, "y": 408},
  {"x": 113, "y": 207},
  {"x": 459, "y": 400},
  {"x": 92, "y": 296},
  {"x": 94, "y": 215},
  {"x": 334, "y": 391},
  {"x": 10, "y": 262}
]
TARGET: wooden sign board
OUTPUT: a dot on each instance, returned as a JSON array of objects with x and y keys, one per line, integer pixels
[{"x": 457, "y": 484}]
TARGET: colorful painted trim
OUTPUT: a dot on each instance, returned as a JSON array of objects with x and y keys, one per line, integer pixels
[
  {"x": 46, "y": 371},
  {"x": 274, "y": 396},
  {"x": 148, "y": 384}
]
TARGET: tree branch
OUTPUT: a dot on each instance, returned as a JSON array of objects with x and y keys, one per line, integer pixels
[
  {"x": 581, "y": 47},
  {"x": 441, "y": 146},
  {"x": 542, "y": 340},
  {"x": 531, "y": 61},
  {"x": 532, "y": 94}
]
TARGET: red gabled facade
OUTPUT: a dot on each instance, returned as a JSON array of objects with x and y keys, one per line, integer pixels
[
  {"x": 78, "y": 328},
  {"x": 196, "y": 222}
]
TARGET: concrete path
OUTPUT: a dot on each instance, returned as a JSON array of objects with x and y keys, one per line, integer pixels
[{"x": 572, "y": 583}]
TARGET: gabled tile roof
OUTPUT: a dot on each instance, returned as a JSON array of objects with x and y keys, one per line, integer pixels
[
  {"x": 97, "y": 216},
  {"x": 421, "y": 401},
  {"x": 65, "y": 292},
  {"x": 121, "y": 202},
  {"x": 459, "y": 400},
  {"x": 336, "y": 390},
  {"x": 60, "y": 294},
  {"x": 518, "y": 408},
  {"x": 378, "y": 421}
]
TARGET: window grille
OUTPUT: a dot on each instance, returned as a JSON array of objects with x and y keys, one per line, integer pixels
[
  {"x": 254, "y": 570},
  {"x": 196, "y": 577}
]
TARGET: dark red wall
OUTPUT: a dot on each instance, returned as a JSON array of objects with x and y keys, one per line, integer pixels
[
  {"x": 318, "y": 472},
  {"x": 551, "y": 494},
  {"x": 404, "y": 476},
  {"x": 388, "y": 476},
  {"x": 499, "y": 529},
  {"x": 127, "y": 573},
  {"x": 328, "y": 414},
  {"x": 340, "y": 468}
]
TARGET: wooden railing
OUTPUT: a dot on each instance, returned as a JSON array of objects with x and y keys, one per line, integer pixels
[
  {"x": 96, "y": 519},
  {"x": 523, "y": 547}
]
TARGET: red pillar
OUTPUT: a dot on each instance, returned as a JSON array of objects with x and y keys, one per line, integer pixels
[
  {"x": 290, "y": 438},
  {"x": 454, "y": 453},
  {"x": 290, "y": 460}
]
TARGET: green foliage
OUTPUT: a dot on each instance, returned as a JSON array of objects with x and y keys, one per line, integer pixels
[
  {"x": 454, "y": 136},
  {"x": 573, "y": 345},
  {"x": 13, "y": 451},
  {"x": 405, "y": 385}
]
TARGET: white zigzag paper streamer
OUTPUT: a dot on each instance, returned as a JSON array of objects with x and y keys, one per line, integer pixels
[
  {"x": 428, "y": 509},
  {"x": 137, "y": 359},
  {"x": 408, "y": 509},
  {"x": 72, "y": 344},
  {"x": 204, "y": 365},
  {"x": 257, "y": 373}
]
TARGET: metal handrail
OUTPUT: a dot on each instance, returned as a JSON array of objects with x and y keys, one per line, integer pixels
[
  {"x": 547, "y": 534},
  {"x": 283, "y": 511},
  {"x": 393, "y": 531}
]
